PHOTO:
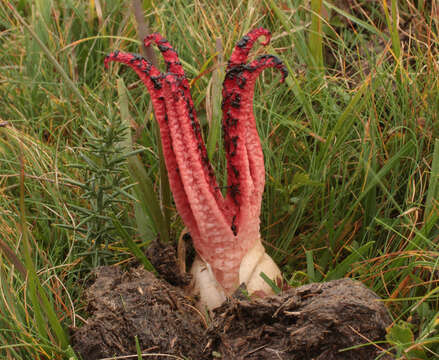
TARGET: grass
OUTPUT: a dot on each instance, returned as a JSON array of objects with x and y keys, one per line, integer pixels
[{"x": 350, "y": 142}]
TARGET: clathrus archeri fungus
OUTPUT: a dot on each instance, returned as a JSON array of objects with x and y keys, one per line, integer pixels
[{"x": 225, "y": 231}]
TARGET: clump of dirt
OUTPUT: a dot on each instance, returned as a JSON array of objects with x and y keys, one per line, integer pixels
[
  {"x": 314, "y": 321},
  {"x": 124, "y": 305},
  {"x": 164, "y": 259}
]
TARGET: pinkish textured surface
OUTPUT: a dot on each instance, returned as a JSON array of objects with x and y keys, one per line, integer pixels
[{"x": 223, "y": 230}]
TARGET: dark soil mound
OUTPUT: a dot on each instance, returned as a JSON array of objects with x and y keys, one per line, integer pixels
[
  {"x": 136, "y": 303},
  {"x": 311, "y": 322},
  {"x": 314, "y": 321}
]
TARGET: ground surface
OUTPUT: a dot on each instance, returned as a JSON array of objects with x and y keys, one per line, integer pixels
[{"x": 311, "y": 322}]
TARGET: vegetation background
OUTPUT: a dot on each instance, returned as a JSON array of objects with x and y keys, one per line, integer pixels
[{"x": 351, "y": 144}]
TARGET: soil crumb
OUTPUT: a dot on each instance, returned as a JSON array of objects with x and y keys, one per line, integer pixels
[{"x": 315, "y": 321}]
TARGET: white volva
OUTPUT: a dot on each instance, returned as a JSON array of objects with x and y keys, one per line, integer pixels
[{"x": 211, "y": 294}]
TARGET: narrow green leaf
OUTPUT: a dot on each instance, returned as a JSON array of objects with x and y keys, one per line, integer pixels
[
  {"x": 147, "y": 196},
  {"x": 52, "y": 59},
  {"x": 125, "y": 156},
  {"x": 144, "y": 188},
  {"x": 270, "y": 282},
  {"x": 310, "y": 265},
  {"x": 143, "y": 222},
  {"x": 371, "y": 28},
  {"x": 344, "y": 122},
  {"x": 13, "y": 259},
  {"x": 74, "y": 182},
  {"x": 316, "y": 37},
  {"x": 393, "y": 28},
  {"x": 432, "y": 202},
  {"x": 138, "y": 350},
  {"x": 37, "y": 293},
  {"x": 297, "y": 37},
  {"x": 71, "y": 353},
  {"x": 343, "y": 268},
  {"x": 130, "y": 244},
  {"x": 32, "y": 276},
  {"x": 376, "y": 178},
  {"x": 215, "y": 103}
]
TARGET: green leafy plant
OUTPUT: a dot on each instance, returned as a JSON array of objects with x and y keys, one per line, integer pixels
[
  {"x": 106, "y": 186},
  {"x": 401, "y": 337}
]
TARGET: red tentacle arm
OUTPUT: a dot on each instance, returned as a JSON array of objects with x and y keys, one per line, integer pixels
[
  {"x": 252, "y": 139},
  {"x": 237, "y": 70},
  {"x": 243, "y": 47},
  {"x": 174, "y": 67},
  {"x": 153, "y": 80},
  {"x": 216, "y": 241},
  {"x": 245, "y": 160},
  {"x": 173, "y": 64},
  {"x": 245, "y": 170}
]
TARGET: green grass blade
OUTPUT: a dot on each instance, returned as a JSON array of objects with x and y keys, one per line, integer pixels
[
  {"x": 316, "y": 37},
  {"x": 310, "y": 265},
  {"x": 37, "y": 293},
  {"x": 145, "y": 187},
  {"x": 297, "y": 37},
  {"x": 344, "y": 122},
  {"x": 215, "y": 103},
  {"x": 270, "y": 282},
  {"x": 147, "y": 196},
  {"x": 342, "y": 268},
  {"x": 13, "y": 259},
  {"x": 52, "y": 59},
  {"x": 432, "y": 202},
  {"x": 393, "y": 28},
  {"x": 132, "y": 246},
  {"x": 377, "y": 178},
  {"x": 32, "y": 276},
  {"x": 71, "y": 353},
  {"x": 371, "y": 28},
  {"x": 294, "y": 85},
  {"x": 138, "y": 350}
]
